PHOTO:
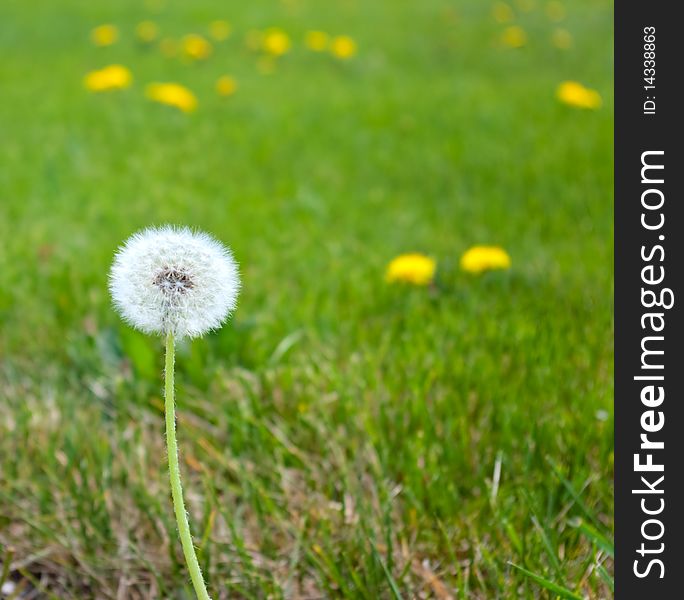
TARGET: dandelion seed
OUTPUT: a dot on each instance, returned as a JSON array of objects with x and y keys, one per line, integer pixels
[
  {"x": 178, "y": 283},
  {"x": 413, "y": 268},
  {"x": 316, "y": 40},
  {"x": 195, "y": 47},
  {"x": 104, "y": 35},
  {"x": 576, "y": 95},
  {"x": 172, "y": 94},
  {"x": 147, "y": 31},
  {"x": 226, "y": 85},
  {"x": 343, "y": 47},
  {"x": 113, "y": 77},
  {"x": 174, "y": 280},
  {"x": 514, "y": 37},
  {"x": 219, "y": 30},
  {"x": 478, "y": 259}
]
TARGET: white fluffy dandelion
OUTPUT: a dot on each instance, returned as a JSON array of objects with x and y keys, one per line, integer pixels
[
  {"x": 175, "y": 282},
  {"x": 172, "y": 279}
]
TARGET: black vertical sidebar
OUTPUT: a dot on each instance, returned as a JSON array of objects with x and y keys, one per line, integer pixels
[{"x": 649, "y": 270}]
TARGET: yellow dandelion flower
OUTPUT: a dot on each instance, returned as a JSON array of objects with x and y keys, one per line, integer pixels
[
  {"x": 575, "y": 94},
  {"x": 172, "y": 94},
  {"x": 414, "y": 268},
  {"x": 195, "y": 47},
  {"x": 502, "y": 12},
  {"x": 147, "y": 31},
  {"x": 104, "y": 35},
  {"x": 168, "y": 47},
  {"x": 316, "y": 40},
  {"x": 226, "y": 85},
  {"x": 343, "y": 47},
  {"x": 555, "y": 11},
  {"x": 478, "y": 259},
  {"x": 276, "y": 42},
  {"x": 113, "y": 77},
  {"x": 514, "y": 37},
  {"x": 561, "y": 39},
  {"x": 220, "y": 30}
]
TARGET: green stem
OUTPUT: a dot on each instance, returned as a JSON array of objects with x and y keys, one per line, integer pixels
[{"x": 174, "y": 475}]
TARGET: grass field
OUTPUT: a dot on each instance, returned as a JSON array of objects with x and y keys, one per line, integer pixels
[{"x": 341, "y": 437}]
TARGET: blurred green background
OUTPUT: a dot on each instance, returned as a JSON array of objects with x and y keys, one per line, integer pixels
[{"x": 341, "y": 437}]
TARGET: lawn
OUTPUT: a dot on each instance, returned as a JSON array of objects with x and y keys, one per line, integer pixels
[{"x": 341, "y": 437}]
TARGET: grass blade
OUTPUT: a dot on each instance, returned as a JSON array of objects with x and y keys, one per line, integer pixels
[{"x": 549, "y": 585}]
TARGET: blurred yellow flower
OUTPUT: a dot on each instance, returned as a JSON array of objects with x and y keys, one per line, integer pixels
[
  {"x": 226, "y": 85},
  {"x": 414, "y": 268},
  {"x": 276, "y": 42},
  {"x": 555, "y": 11},
  {"x": 502, "y": 13},
  {"x": 172, "y": 94},
  {"x": 343, "y": 47},
  {"x": 561, "y": 38},
  {"x": 316, "y": 40},
  {"x": 168, "y": 47},
  {"x": 147, "y": 31},
  {"x": 575, "y": 94},
  {"x": 113, "y": 77},
  {"x": 196, "y": 47},
  {"x": 104, "y": 35},
  {"x": 219, "y": 30},
  {"x": 478, "y": 259},
  {"x": 514, "y": 37}
]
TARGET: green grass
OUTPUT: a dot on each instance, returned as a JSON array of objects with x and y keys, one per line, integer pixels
[{"x": 341, "y": 438}]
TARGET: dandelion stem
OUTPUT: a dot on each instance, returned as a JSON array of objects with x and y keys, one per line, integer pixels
[{"x": 174, "y": 475}]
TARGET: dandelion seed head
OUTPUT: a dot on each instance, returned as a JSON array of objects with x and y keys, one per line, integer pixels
[{"x": 171, "y": 279}]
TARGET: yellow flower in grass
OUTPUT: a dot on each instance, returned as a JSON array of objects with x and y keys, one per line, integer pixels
[
  {"x": 219, "y": 30},
  {"x": 276, "y": 42},
  {"x": 196, "y": 47},
  {"x": 226, "y": 85},
  {"x": 113, "y": 77},
  {"x": 147, "y": 31},
  {"x": 478, "y": 259},
  {"x": 502, "y": 12},
  {"x": 414, "y": 268},
  {"x": 316, "y": 40},
  {"x": 561, "y": 39},
  {"x": 514, "y": 37},
  {"x": 343, "y": 47},
  {"x": 172, "y": 94},
  {"x": 104, "y": 35},
  {"x": 575, "y": 94}
]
